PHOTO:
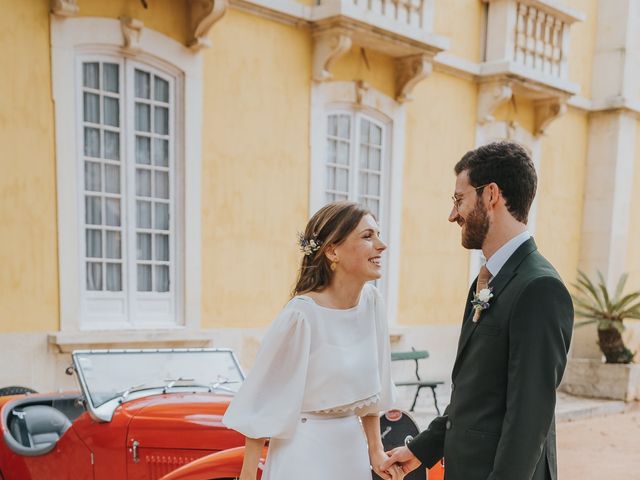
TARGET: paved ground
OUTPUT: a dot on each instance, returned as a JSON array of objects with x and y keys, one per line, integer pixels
[{"x": 600, "y": 448}]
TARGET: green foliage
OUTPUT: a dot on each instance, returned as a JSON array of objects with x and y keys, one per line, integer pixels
[{"x": 596, "y": 305}]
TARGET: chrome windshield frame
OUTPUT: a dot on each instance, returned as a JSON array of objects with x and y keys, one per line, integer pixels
[{"x": 105, "y": 411}]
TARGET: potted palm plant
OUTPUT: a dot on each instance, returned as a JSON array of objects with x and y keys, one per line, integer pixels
[
  {"x": 596, "y": 305},
  {"x": 617, "y": 377}
]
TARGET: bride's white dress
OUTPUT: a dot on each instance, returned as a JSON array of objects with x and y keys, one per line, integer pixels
[{"x": 317, "y": 371}]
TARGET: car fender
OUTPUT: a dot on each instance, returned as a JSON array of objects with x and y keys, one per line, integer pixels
[{"x": 224, "y": 464}]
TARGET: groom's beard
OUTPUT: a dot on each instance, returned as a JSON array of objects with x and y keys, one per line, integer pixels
[{"x": 476, "y": 226}]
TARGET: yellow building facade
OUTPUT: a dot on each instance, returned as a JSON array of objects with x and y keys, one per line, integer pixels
[{"x": 159, "y": 156}]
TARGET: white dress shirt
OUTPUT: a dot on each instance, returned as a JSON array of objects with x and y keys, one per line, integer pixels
[{"x": 498, "y": 259}]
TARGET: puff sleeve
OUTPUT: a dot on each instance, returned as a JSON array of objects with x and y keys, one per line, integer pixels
[
  {"x": 269, "y": 402},
  {"x": 387, "y": 395}
]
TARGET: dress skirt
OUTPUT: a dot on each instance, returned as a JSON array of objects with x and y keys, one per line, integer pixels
[{"x": 322, "y": 448}]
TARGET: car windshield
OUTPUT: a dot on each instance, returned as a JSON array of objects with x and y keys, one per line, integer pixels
[{"x": 107, "y": 375}]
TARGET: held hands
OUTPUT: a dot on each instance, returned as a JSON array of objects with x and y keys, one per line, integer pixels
[
  {"x": 377, "y": 459},
  {"x": 402, "y": 459}
]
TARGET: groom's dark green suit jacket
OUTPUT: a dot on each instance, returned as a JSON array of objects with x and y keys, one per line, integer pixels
[{"x": 500, "y": 422}]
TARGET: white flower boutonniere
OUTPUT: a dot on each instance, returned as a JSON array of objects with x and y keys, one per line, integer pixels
[{"x": 481, "y": 302}]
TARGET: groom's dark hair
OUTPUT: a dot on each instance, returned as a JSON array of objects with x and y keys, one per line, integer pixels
[{"x": 509, "y": 166}]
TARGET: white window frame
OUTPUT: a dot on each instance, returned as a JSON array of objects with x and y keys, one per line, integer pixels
[
  {"x": 340, "y": 97},
  {"x": 71, "y": 39},
  {"x": 355, "y": 115},
  {"x": 502, "y": 130}
]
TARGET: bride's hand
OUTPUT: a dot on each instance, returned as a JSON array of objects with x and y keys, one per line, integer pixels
[{"x": 393, "y": 473}]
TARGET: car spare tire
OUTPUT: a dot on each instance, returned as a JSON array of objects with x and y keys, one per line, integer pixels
[{"x": 5, "y": 391}]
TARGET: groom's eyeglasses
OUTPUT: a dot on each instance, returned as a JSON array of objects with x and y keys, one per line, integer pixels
[{"x": 457, "y": 200}]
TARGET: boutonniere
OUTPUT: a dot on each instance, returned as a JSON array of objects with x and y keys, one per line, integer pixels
[{"x": 480, "y": 302}]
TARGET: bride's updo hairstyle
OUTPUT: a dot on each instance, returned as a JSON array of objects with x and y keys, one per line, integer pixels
[{"x": 329, "y": 226}]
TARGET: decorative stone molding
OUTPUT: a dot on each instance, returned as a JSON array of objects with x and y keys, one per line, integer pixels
[
  {"x": 362, "y": 88},
  {"x": 547, "y": 111},
  {"x": 548, "y": 105},
  {"x": 64, "y": 8},
  {"x": 491, "y": 95},
  {"x": 131, "y": 31},
  {"x": 409, "y": 72},
  {"x": 328, "y": 47},
  {"x": 203, "y": 16}
]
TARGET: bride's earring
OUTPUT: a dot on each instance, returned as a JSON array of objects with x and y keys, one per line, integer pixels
[{"x": 333, "y": 266}]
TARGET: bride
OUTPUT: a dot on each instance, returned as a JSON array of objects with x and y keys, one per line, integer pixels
[{"x": 322, "y": 375}]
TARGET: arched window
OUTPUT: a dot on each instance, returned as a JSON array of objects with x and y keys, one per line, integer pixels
[
  {"x": 128, "y": 160},
  {"x": 357, "y": 154}
]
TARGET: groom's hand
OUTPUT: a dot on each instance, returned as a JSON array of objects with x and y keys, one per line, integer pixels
[{"x": 403, "y": 457}]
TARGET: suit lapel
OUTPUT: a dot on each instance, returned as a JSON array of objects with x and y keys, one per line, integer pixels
[{"x": 498, "y": 284}]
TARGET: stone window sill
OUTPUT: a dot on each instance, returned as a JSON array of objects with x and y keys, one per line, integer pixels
[{"x": 66, "y": 342}]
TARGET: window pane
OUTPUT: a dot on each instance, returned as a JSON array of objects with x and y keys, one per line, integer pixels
[
  {"x": 332, "y": 151},
  {"x": 143, "y": 117},
  {"x": 375, "y": 156},
  {"x": 142, "y": 84},
  {"x": 143, "y": 182},
  {"x": 344, "y": 126},
  {"x": 92, "y": 176},
  {"x": 362, "y": 185},
  {"x": 144, "y": 278},
  {"x": 364, "y": 156},
  {"x": 94, "y": 243},
  {"x": 375, "y": 134},
  {"x": 161, "y": 152},
  {"x": 94, "y": 276},
  {"x": 373, "y": 205},
  {"x": 373, "y": 187},
  {"x": 161, "y": 120},
  {"x": 93, "y": 210},
  {"x": 143, "y": 150},
  {"x": 162, "y": 248},
  {"x": 342, "y": 179},
  {"x": 162, "y": 184},
  {"x": 161, "y": 89},
  {"x": 343, "y": 153},
  {"x": 162, "y": 216},
  {"x": 162, "y": 278},
  {"x": 364, "y": 131},
  {"x": 91, "y": 107},
  {"x": 92, "y": 142},
  {"x": 113, "y": 247},
  {"x": 338, "y": 197},
  {"x": 331, "y": 178},
  {"x": 111, "y": 111},
  {"x": 143, "y": 244},
  {"x": 112, "y": 212},
  {"x": 112, "y": 178},
  {"x": 143, "y": 214},
  {"x": 90, "y": 76},
  {"x": 112, "y": 145},
  {"x": 114, "y": 277},
  {"x": 332, "y": 126},
  {"x": 111, "y": 80}
]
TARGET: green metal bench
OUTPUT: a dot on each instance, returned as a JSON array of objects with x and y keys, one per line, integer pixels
[{"x": 419, "y": 383}]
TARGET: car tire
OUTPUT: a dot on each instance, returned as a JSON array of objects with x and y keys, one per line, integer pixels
[{"x": 14, "y": 390}]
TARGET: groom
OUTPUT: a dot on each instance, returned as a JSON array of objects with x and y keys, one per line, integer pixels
[{"x": 513, "y": 346}]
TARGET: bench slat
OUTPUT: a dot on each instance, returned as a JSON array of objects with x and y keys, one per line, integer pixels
[{"x": 414, "y": 355}]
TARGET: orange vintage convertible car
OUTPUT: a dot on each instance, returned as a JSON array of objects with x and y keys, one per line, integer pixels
[{"x": 139, "y": 414}]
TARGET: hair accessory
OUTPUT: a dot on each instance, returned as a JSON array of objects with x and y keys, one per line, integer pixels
[{"x": 309, "y": 246}]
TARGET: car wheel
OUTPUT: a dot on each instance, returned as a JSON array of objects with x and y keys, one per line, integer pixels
[{"x": 5, "y": 391}]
